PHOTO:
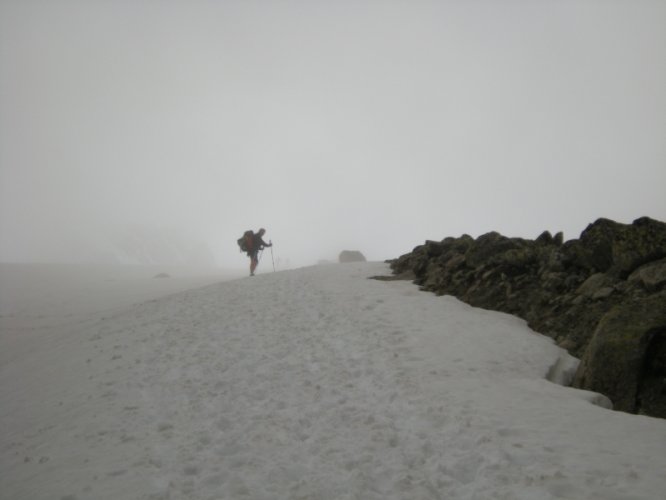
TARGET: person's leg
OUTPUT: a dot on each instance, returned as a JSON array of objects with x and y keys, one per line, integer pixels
[{"x": 253, "y": 263}]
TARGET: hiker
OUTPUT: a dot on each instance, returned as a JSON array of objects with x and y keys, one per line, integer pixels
[{"x": 255, "y": 243}]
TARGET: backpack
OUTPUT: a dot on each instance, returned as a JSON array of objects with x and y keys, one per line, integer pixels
[{"x": 245, "y": 241}]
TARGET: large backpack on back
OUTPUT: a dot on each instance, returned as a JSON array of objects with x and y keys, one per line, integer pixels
[{"x": 245, "y": 241}]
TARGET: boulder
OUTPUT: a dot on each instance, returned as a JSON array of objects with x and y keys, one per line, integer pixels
[
  {"x": 351, "y": 256},
  {"x": 597, "y": 286},
  {"x": 651, "y": 276},
  {"x": 608, "y": 246},
  {"x": 626, "y": 358},
  {"x": 488, "y": 246}
]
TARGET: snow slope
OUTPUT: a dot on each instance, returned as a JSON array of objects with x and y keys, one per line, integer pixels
[{"x": 312, "y": 384}]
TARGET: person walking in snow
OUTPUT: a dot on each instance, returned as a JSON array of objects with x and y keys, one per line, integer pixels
[{"x": 254, "y": 244}]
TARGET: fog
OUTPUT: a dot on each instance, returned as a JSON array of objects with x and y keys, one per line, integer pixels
[{"x": 359, "y": 125}]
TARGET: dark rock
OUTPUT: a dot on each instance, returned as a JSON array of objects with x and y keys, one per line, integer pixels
[
  {"x": 406, "y": 276},
  {"x": 488, "y": 246},
  {"x": 561, "y": 289},
  {"x": 433, "y": 248},
  {"x": 558, "y": 239},
  {"x": 652, "y": 387},
  {"x": 626, "y": 358},
  {"x": 607, "y": 246},
  {"x": 545, "y": 238},
  {"x": 651, "y": 276},
  {"x": 597, "y": 286}
]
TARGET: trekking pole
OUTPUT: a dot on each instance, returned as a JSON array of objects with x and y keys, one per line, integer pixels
[{"x": 272, "y": 258}]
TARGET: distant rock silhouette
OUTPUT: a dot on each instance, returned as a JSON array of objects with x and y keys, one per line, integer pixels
[
  {"x": 602, "y": 297},
  {"x": 351, "y": 256}
]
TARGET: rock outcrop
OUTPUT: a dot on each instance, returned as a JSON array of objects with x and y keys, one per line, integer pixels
[
  {"x": 351, "y": 256},
  {"x": 602, "y": 297}
]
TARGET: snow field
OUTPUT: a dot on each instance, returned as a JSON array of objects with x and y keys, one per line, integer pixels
[{"x": 312, "y": 384}]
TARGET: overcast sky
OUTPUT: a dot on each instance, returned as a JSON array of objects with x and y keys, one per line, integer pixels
[{"x": 369, "y": 125}]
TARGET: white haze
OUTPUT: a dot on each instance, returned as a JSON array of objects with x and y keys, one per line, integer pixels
[{"x": 334, "y": 125}]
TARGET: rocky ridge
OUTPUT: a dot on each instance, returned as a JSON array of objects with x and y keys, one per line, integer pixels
[{"x": 602, "y": 297}]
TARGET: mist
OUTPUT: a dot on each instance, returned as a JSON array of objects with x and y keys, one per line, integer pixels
[{"x": 367, "y": 125}]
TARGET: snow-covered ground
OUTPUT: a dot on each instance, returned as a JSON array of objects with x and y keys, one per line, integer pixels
[
  {"x": 315, "y": 383},
  {"x": 37, "y": 299}
]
